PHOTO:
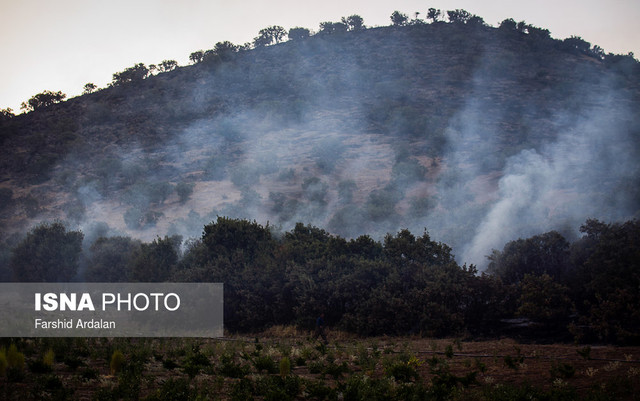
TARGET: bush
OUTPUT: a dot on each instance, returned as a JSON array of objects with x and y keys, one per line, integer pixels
[
  {"x": 266, "y": 363},
  {"x": 173, "y": 390},
  {"x": 117, "y": 361},
  {"x": 285, "y": 367},
  {"x": 15, "y": 359}
]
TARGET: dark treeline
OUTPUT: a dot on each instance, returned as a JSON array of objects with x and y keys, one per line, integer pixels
[{"x": 406, "y": 284}]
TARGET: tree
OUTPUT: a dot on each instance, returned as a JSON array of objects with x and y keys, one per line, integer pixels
[
  {"x": 538, "y": 33},
  {"x": 509, "y": 24},
  {"x": 332, "y": 27},
  {"x": 110, "y": 259},
  {"x": 132, "y": 74},
  {"x": 459, "y": 16},
  {"x": 6, "y": 114},
  {"x": 598, "y": 52},
  {"x": 475, "y": 20},
  {"x": 609, "y": 278},
  {"x": 155, "y": 262},
  {"x": 577, "y": 43},
  {"x": 228, "y": 237},
  {"x": 44, "y": 99},
  {"x": 398, "y": 18},
  {"x": 89, "y": 88},
  {"x": 225, "y": 50},
  {"x": 167, "y": 65},
  {"x": 543, "y": 300},
  {"x": 49, "y": 253},
  {"x": 353, "y": 22},
  {"x": 298, "y": 33},
  {"x": 541, "y": 254},
  {"x": 196, "y": 56},
  {"x": 269, "y": 35},
  {"x": 434, "y": 15}
]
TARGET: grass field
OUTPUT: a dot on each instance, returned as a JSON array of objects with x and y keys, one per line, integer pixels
[{"x": 286, "y": 364}]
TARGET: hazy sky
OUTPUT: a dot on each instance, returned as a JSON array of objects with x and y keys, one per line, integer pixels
[{"x": 63, "y": 44}]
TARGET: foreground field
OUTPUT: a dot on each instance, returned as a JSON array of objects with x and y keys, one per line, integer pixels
[{"x": 286, "y": 364}]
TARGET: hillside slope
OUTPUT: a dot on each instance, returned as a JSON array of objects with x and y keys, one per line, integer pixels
[{"x": 479, "y": 135}]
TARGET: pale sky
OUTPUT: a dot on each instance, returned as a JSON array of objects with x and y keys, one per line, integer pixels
[{"x": 60, "y": 45}]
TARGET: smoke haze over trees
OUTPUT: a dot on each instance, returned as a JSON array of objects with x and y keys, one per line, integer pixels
[{"x": 479, "y": 135}]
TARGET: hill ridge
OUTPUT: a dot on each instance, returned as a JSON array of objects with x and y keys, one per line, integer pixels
[{"x": 363, "y": 132}]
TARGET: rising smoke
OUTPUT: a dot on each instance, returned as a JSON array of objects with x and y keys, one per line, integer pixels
[{"x": 344, "y": 137}]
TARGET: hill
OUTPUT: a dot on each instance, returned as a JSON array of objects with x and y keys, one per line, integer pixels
[{"x": 478, "y": 134}]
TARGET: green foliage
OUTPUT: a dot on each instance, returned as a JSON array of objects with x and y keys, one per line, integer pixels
[
  {"x": 230, "y": 368},
  {"x": 402, "y": 371},
  {"x": 562, "y": 370},
  {"x": 173, "y": 390},
  {"x": 265, "y": 363},
  {"x": 6, "y": 114},
  {"x": 132, "y": 74},
  {"x": 285, "y": 366},
  {"x": 513, "y": 362},
  {"x": 543, "y": 300},
  {"x": 607, "y": 278},
  {"x": 195, "y": 362},
  {"x": 117, "y": 362},
  {"x": 276, "y": 388},
  {"x": 353, "y": 22},
  {"x": 155, "y": 261},
  {"x": 41, "y": 100},
  {"x": 109, "y": 259},
  {"x": 298, "y": 33},
  {"x": 398, "y": 18},
  {"x": 541, "y": 254},
  {"x": 269, "y": 35},
  {"x": 585, "y": 352},
  {"x": 332, "y": 28},
  {"x": 48, "y": 253}
]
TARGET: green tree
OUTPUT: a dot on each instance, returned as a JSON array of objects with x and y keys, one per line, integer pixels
[
  {"x": 49, "y": 253},
  {"x": 132, "y": 74},
  {"x": 196, "y": 56},
  {"x": 242, "y": 238},
  {"x": 110, "y": 259},
  {"x": 89, "y": 88},
  {"x": 298, "y": 33},
  {"x": 539, "y": 34},
  {"x": 608, "y": 278},
  {"x": 225, "y": 50},
  {"x": 434, "y": 15},
  {"x": 353, "y": 22},
  {"x": 332, "y": 27},
  {"x": 543, "y": 300},
  {"x": 44, "y": 99},
  {"x": 269, "y": 35},
  {"x": 155, "y": 261},
  {"x": 167, "y": 65},
  {"x": 577, "y": 43},
  {"x": 459, "y": 16},
  {"x": 399, "y": 19},
  {"x": 509, "y": 24},
  {"x": 545, "y": 253},
  {"x": 6, "y": 114}
]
